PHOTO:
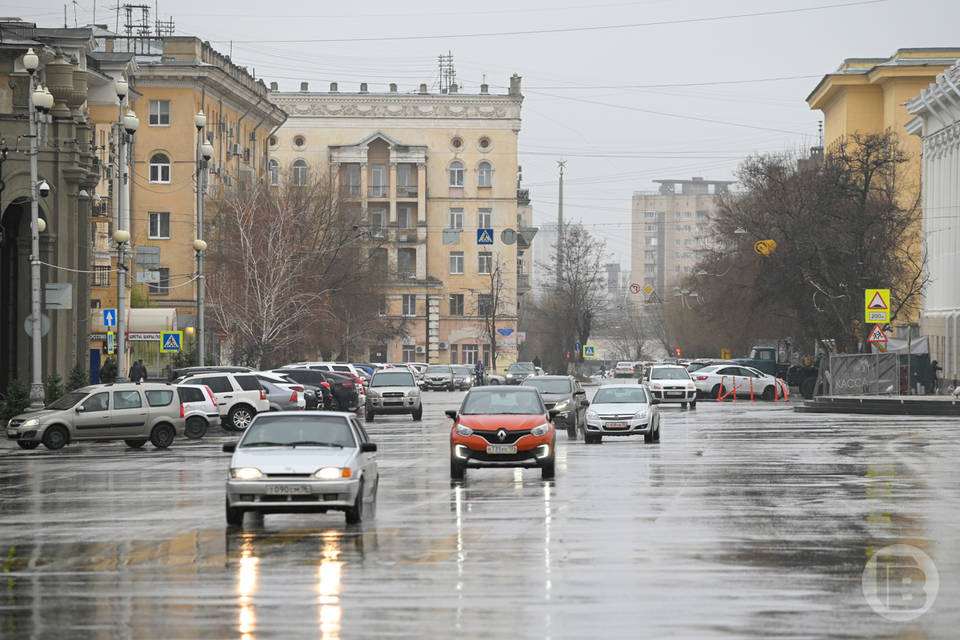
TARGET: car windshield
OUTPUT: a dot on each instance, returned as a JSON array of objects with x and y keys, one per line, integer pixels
[
  {"x": 669, "y": 373},
  {"x": 392, "y": 379},
  {"x": 548, "y": 385},
  {"x": 526, "y": 367},
  {"x": 620, "y": 395},
  {"x": 67, "y": 401},
  {"x": 285, "y": 431},
  {"x": 463, "y": 370},
  {"x": 489, "y": 401},
  {"x": 440, "y": 368}
]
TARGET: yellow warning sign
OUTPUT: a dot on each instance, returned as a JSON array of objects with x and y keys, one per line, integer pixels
[{"x": 877, "y": 305}]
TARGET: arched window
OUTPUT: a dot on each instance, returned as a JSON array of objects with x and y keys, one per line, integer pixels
[
  {"x": 484, "y": 175},
  {"x": 299, "y": 173},
  {"x": 274, "y": 173},
  {"x": 160, "y": 168},
  {"x": 456, "y": 174}
]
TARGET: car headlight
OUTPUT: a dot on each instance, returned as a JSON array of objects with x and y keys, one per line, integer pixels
[
  {"x": 592, "y": 415},
  {"x": 541, "y": 430},
  {"x": 562, "y": 405},
  {"x": 463, "y": 430},
  {"x": 640, "y": 415},
  {"x": 413, "y": 392},
  {"x": 657, "y": 385},
  {"x": 32, "y": 422},
  {"x": 332, "y": 473},
  {"x": 246, "y": 473}
]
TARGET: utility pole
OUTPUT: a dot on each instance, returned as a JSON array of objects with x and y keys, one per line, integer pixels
[{"x": 561, "y": 164}]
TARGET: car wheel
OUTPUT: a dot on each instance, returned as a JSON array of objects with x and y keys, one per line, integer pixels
[
  {"x": 656, "y": 434},
  {"x": 768, "y": 393},
  {"x": 418, "y": 414},
  {"x": 28, "y": 444},
  {"x": 335, "y": 404},
  {"x": 718, "y": 390},
  {"x": 683, "y": 405},
  {"x": 55, "y": 437},
  {"x": 196, "y": 428},
  {"x": 572, "y": 431},
  {"x": 548, "y": 470},
  {"x": 240, "y": 417},
  {"x": 494, "y": 381},
  {"x": 136, "y": 443},
  {"x": 368, "y": 415},
  {"x": 162, "y": 436},
  {"x": 355, "y": 513},
  {"x": 458, "y": 470},
  {"x": 592, "y": 438},
  {"x": 693, "y": 405},
  {"x": 648, "y": 436},
  {"x": 234, "y": 515}
]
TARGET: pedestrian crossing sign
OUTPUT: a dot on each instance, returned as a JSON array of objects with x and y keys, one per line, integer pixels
[
  {"x": 877, "y": 335},
  {"x": 171, "y": 341},
  {"x": 484, "y": 236},
  {"x": 589, "y": 351}
]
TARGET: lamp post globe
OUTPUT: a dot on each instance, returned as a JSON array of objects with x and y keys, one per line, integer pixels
[
  {"x": 121, "y": 88},
  {"x": 199, "y": 245},
  {"x": 39, "y": 98},
  {"x": 121, "y": 235},
  {"x": 200, "y": 120},
  {"x": 30, "y": 61},
  {"x": 206, "y": 150},
  {"x": 131, "y": 123},
  {"x": 41, "y": 225}
]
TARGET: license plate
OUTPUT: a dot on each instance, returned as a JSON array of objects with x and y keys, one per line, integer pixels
[
  {"x": 675, "y": 394},
  {"x": 287, "y": 489},
  {"x": 501, "y": 448},
  {"x": 615, "y": 425}
]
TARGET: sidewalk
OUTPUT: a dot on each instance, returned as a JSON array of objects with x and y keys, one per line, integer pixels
[{"x": 886, "y": 405}]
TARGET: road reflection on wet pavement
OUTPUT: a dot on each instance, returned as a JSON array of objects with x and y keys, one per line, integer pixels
[{"x": 745, "y": 521}]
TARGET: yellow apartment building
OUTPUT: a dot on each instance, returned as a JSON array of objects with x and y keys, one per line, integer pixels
[
  {"x": 434, "y": 177},
  {"x": 172, "y": 79},
  {"x": 869, "y": 95}
]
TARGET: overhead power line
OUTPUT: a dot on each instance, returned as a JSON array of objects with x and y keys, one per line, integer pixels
[
  {"x": 608, "y": 27},
  {"x": 670, "y": 85}
]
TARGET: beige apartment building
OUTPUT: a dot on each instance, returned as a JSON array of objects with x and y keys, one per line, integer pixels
[
  {"x": 671, "y": 226},
  {"x": 434, "y": 177}
]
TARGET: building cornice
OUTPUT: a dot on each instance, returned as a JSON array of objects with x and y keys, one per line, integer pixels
[{"x": 400, "y": 106}]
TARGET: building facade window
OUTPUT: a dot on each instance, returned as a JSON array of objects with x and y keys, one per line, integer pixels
[
  {"x": 453, "y": 354},
  {"x": 485, "y": 262},
  {"x": 159, "y": 113},
  {"x": 409, "y": 305},
  {"x": 485, "y": 218},
  {"x": 378, "y": 221},
  {"x": 456, "y": 218},
  {"x": 484, "y": 175},
  {"x": 162, "y": 286},
  {"x": 382, "y": 305},
  {"x": 456, "y": 174},
  {"x": 274, "y": 173},
  {"x": 300, "y": 173},
  {"x": 456, "y": 262},
  {"x": 378, "y": 260},
  {"x": 484, "y": 304},
  {"x": 406, "y": 263},
  {"x": 486, "y": 355},
  {"x": 160, "y": 169},
  {"x": 159, "y": 225},
  {"x": 378, "y": 181},
  {"x": 409, "y": 353},
  {"x": 650, "y": 241},
  {"x": 469, "y": 353},
  {"x": 404, "y": 218},
  {"x": 353, "y": 180},
  {"x": 456, "y": 305},
  {"x": 101, "y": 275}
]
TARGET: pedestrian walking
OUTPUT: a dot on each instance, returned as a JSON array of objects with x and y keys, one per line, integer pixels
[
  {"x": 934, "y": 384},
  {"x": 478, "y": 373},
  {"x": 536, "y": 362},
  {"x": 134, "y": 374},
  {"x": 143, "y": 370}
]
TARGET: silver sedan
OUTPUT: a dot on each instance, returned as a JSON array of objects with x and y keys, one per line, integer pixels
[
  {"x": 622, "y": 410},
  {"x": 302, "y": 461}
]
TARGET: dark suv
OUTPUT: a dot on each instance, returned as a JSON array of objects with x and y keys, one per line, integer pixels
[
  {"x": 564, "y": 395},
  {"x": 520, "y": 371},
  {"x": 343, "y": 388}
]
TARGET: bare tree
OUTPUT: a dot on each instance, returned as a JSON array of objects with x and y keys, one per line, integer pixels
[
  {"x": 497, "y": 304},
  {"x": 628, "y": 331}
]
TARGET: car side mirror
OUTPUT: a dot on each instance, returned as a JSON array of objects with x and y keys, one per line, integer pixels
[
  {"x": 451, "y": 413},
  {"x": 80, "y": 408},
  {"x": 584, "y": 403},
  {"x": 553, "y": 414},
  {"x": 230, "y": 447},
  {"x": 654, "y": 401},
  {"x": 368, "y": 447}
]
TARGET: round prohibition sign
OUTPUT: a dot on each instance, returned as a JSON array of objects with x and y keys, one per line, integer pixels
[{"x": 634, "y": 288}]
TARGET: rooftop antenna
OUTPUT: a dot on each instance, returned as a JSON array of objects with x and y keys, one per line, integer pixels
[{"x": 448, "y": 74}]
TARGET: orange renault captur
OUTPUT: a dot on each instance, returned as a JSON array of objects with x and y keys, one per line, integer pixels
[{"x": 501, "y": 426}]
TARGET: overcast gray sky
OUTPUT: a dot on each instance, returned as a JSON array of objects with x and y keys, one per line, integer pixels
[{"x": 615, "y": 138}]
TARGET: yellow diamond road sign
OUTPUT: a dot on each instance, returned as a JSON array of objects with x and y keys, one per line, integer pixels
[{"x": 877, "y": 305}]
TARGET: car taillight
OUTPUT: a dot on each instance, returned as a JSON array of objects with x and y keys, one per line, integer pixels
[
  {"x": 181, "y": 410},
  {"x": 293, "y": 397},
  {"x": 263, "y": 394},
  {"x": 701, "y": 377},
  {"x": 347, "y": 384},
  {"x": 210, "y": 394},
  {"x": 297, "y": 388},
  {"x": 325, "y": 384}
]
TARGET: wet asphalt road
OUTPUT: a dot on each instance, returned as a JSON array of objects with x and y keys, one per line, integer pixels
[{"x": 745, "y": 521}]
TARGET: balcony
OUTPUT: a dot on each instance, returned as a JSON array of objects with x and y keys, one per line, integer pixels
[
  {"x": 378, "y": 191},
  {"x": 407, "y": 191},
  {"x": 523, "y": 281},
  {"x": 350, "y": 191}
]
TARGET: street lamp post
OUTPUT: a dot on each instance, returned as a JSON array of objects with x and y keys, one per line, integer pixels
[
  {"x": 204, "y": 153},
  {"x": 127, "y": 126}
]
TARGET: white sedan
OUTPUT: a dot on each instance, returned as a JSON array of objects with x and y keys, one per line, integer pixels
[
  {"x": 727, "y": 379},
  {"x": 302, "y": 461}
]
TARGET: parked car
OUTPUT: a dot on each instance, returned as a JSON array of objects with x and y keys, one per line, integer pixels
[
  {"x": 239, "y": 396},
  {"x": 695, "y": 365},
  {"x": 182, "y": 372},
  {"x": 200, "y": 411},
  {"x": 720, "y": 379},
  {"x": 439, "y": 376},
  {"x": 502, "y": 427},
  {"x": 672, "y": 383},
  {"x": 131, "y": 411},
  {"x": 305, "y": 392},
  {"x": 624, "y": 369},
  {"x": 565, "y": 395},
  {"x": 462, "y": 376},
  {"x": 283, "y": 399},
  {"x": 517, "y": 372},
  {"x": 622, "y": 410},
  {"x": 302, "y": 461},
  {"x": 335, "y": 367},
  {"x": 343, "y": 389},
  {"x": 393, "y": 391}
]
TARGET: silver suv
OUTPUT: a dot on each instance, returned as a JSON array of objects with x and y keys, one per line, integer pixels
[
  {"x": 393, "y": 391},
  {"x": 133, "y": 412}
]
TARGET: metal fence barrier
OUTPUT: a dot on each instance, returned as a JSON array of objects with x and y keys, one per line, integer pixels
[{"x": 862, "y": 374}]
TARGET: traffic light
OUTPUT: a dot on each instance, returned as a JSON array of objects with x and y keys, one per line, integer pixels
[
  {"x": 678, "y": 352},
  {"x": 568, "y": 355}
]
